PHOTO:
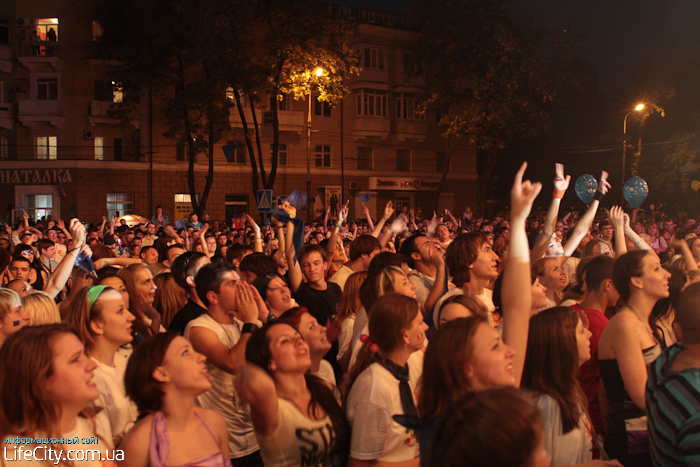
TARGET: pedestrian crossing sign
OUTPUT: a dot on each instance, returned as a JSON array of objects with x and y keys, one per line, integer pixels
[{"x": 264, "y": 200}]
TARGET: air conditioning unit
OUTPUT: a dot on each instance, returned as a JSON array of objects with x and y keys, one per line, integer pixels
[
  {"x": 88, "y": 134},
  {"x": 20, "y": 86},
  {"x": 23, "y": 22}
]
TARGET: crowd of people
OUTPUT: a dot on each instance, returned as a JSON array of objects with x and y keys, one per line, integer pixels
[{"x": 516, "y": 341}]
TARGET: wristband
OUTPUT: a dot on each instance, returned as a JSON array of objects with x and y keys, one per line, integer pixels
[
  {"x": 598, "y": 195},
  {"x": 249, "y": 328},
  {"x": 558, "y": 194}
]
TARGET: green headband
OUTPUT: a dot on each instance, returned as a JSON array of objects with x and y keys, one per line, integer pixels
[{"x": 93, "y": 293}]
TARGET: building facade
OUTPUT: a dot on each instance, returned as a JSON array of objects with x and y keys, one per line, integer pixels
[{"x": 63, "y": 154}]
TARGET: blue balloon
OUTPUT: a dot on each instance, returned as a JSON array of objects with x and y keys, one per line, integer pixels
[
  {"x": 586, "y": 186},
  {"x": 636, "y": 191}
]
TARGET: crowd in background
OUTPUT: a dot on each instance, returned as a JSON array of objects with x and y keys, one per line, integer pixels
[{"x": 520, "y": 340}]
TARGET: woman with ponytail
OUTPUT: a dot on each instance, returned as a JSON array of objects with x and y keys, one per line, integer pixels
[
  {"x": 382, "y": 384},
  {"x": 99, "y": 317}
]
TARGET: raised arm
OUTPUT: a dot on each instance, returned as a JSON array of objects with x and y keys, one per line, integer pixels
[
  {"x": 516, "y": 294},
  {"x": 636, "y": 239},
  {"x": 257, "y": 248},
  {"x": 294, "y": 269},
  {"x": 333, "y": 241},
  {"x": 325, "y": 218},
  {"x": 203, "y": 241},
  {"x": 616, "y": 216},
  {"x": 257, "y": 388},
  {"x": 368, "y": 216},
  {"x": 388, "y": 212},
  {"x": 561, "y": 184},
  {"x": 62, "y": 225},
  {"x": 584, "y": 224},
  {"x": 63, "y": 271},
  {"x": 681, "y": 246}
]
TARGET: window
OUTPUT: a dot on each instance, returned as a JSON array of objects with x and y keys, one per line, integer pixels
[
  {"x": 281, "y": 155},
  {"x": 185, "y": 197},
  {"x": 239, "y": 155},
  {"x": 322, "y": 108},
  {"x": 118, "y": 155},
  {"x": 408, "y": 107},
  {"x": 108, "y": 91},
  {"x": 403, "y": 160},
  {"x": 119, "y": 204},
  {"x": 117, "y": 93},
  {"x": 364, "y": 158},
  {"x": 281, "y": 104},
  {"x": 47, "y": 28},
  {"x": 96, "y": 30},
  {"x": 441, "y": 161},
  {"x": 46, "y": 147},
  {"x": 5, "y": 31},
  {"x": 38, "y": 206},
  {"x": 370, "y": 103},
  {"x": 99, "y": 148},
  {"x": 182, "y": 152},
  {"x": 374, "y": 58},
  {"x": 3, "y": 149},
  {"x": 323, "y": 156},
  {"x": 47, "y": 89}
]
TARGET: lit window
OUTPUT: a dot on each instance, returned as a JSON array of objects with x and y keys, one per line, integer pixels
[
  {"x": 117, "y": 93},
  {"x": 46, "y": 147},
  {"x": 99, "y": 148},
  {"x": 96, "y": 30},
  {"x": 119, "y": 204}
]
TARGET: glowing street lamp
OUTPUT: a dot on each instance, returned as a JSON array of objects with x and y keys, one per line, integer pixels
[
  {"x": 624, "y": 140},
  {"x": 318, "y": 72}
]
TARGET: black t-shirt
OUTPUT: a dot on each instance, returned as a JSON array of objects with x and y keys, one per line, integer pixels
[
  {"x": 188, "y": 312},
  {"x": 322, "y": 304}
]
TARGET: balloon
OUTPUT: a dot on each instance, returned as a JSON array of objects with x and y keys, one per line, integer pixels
[
  {"x": 695, "y": 185},
  {"x": 636, "y": 191},
  {"x": 586, "y": 186}
]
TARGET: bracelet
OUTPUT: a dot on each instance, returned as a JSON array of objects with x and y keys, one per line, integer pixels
[
  {"x": 249, "y": 328},
  {"x": 598, "y": 195},
  {"x": 558, "y": 194}
]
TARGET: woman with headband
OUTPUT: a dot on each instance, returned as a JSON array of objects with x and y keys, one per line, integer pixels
[{"x": 104, "y": 324}]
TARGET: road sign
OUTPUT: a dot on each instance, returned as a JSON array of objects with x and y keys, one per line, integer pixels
[{"x": 264, "y": 200}]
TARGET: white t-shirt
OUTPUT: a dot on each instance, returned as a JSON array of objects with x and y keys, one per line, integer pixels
[
  {"x": 341, "y": 276},
  {"x": 298, "y": 440},
  {"x": 572, "y": 448},
  {"x": 222, "y": 397},
  {"x": 121, "y": 410},
  {"x": 486, "y": 298},
  {"x": 345, "y": 336},
  {"x": 373, "y": 400}
]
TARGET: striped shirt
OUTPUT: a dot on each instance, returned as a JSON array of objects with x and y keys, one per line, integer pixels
[{"x": 673, "y": 410}]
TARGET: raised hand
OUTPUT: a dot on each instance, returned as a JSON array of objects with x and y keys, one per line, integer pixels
[
  {"x": 253, "y": 224},
  {"x": 289, "y": 209},
  {"x": 561, "y": 182},
  {"x": 398, "y": 226},
  {"x": 77, "y": 231},
  {"x": 343, "y": 213},
  {"x": 246, "y": 309},
  {"x": 603, "y": 185},
  {"x": 388, "y": 210},
  {"x": 616, "y": 217},
  {"x": 522, "y": 195}
]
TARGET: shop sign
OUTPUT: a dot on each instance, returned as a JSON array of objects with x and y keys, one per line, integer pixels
[
  {"x": 22, "y": 177},
  {"x": 399, "y": 183}
]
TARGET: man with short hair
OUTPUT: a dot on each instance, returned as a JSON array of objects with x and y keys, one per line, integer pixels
[
  {"x": 221, "y": 335},
  {"x": 172, "y": 253},
  {"x": 20, "y": 268},
  {"x": 673, "y": 390},
  {"x": 256, "y": 266},
  {"x": 47, "y": 252},
  {"x": 427, "y": 271},
  {"x": 362, "y": 250},
  {"x": 149, "y": 255},
  {"x": 601, "y": 294},
  {"x": 150, "y": 238},
  {"x": 606, "y": 233}
]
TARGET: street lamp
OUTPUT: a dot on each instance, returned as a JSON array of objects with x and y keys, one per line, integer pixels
[
  {"x": 318, "y": 72},
  {"x": 624, "y": 140}
]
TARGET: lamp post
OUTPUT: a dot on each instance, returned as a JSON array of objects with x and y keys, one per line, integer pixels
[
  {"x": 624, "y": 142},
  {"x": 318, "y": 72}
]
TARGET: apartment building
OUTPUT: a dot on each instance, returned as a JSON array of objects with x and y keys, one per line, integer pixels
[{"x": 63, "y": 154}]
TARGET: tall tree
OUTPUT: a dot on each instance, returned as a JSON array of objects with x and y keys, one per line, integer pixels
[{"x": 493, "y": 76}]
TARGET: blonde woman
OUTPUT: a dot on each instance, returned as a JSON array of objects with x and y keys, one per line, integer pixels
[{"x": 42, "y": 309}]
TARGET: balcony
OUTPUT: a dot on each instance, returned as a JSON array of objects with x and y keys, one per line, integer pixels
[
  {"x": 376, "y": 127},
  {"x": 235, "y": 117},
  {"x": 32, "y": 112},
  {"x": 34, "y": 54},
  {"x": 289, "y": 120},
  {"x": 6, "y": 115},
  {"x": 411, "y": 130}
]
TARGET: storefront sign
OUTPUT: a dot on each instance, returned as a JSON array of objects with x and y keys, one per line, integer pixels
[
  {"x": 406, "y": 184},
  {"x": 21, "y": 177}
]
